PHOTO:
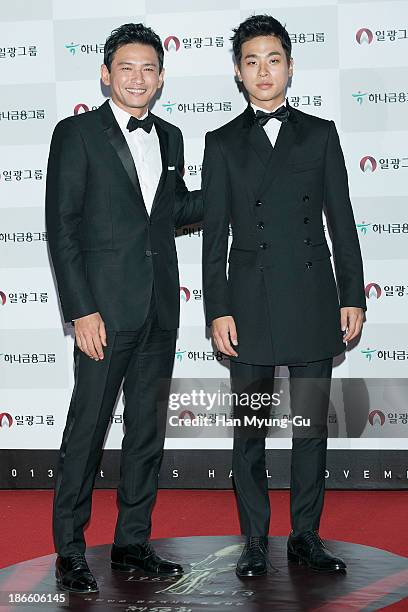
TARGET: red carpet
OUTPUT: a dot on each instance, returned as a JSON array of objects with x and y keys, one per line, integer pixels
[{"x": 374, "y": 518}]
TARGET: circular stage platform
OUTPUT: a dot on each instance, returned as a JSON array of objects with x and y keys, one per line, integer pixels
[{"x": 375, "y": 579}]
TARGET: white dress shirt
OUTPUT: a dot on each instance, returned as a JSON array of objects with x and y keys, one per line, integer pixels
[
  {"x": 273, "y": 126},
  {"x": 145, "y": 150}
]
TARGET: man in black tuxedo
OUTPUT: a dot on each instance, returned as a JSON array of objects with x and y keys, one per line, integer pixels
[
  {"x": 270, "y": 171},
  {"x": 115, "y": 194}
]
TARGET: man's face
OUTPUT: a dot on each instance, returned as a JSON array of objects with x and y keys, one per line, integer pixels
[
  {"x": 134, "y": 77},
  {"x": 264, "y": 71}
]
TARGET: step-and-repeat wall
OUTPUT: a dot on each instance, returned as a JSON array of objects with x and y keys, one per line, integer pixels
[{"x": 350, "y": 66}]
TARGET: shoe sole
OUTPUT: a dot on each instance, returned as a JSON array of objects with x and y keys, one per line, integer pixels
[
  {"x": 62, "y": 587},
  {"x": 250, "y": 574},
  {"x": 302, "y": 561},
  {"x": 123, "y": 567}
]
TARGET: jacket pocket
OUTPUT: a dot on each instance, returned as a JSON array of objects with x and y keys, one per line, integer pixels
[
  {"x": 242, "y": 257},
  {"x": 304, "y": 166},
  {"x": 319, "y": 251}
]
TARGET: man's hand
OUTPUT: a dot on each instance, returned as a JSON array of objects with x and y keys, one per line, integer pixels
[
  {"x": 224, "y": 333},
  {"x": 351, "y": 322},
  {"x": 90, "y": 335}
]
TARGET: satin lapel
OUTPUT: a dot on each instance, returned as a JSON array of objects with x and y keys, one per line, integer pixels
[
  {"x": 289, "y": 135},
  {"x": 164, "y": 147},
  {"x": 120, "y": 145},
  {"x": 118, "y": 142}
]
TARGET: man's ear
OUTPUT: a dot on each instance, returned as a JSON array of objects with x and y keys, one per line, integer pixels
[
  {"x": 161, "y": 79},
  {"x": 105, "y": 75},
  {"x": 291, "y": 67},
  {"x": 237, "y": 72}
]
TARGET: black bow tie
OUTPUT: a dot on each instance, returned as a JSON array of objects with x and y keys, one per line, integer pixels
[
  {"x": 281, "y": 114},
  {"x": 146, "y": 124}
]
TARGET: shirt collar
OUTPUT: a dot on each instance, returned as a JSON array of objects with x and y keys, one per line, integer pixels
[
  {"x": 263, "y": 110},
  {"x": 122, "y": 116}
]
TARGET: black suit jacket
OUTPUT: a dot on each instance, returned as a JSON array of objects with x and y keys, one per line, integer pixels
[
  {"x": 280, "y": 288},
  {"x": 106, "y": 250}
]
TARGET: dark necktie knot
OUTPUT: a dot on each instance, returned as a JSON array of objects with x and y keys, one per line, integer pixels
[
  {"x": 146, "y": 124},
  {"x": 281, "y": 114}
]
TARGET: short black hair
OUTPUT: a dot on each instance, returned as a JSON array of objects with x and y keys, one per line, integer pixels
[
  {"x": 260, "y": 25},
  {"x": 132, "y": 33}
]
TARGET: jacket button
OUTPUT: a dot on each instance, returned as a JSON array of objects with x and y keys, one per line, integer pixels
[
  {"x": 148, "y": 253},
  {"x": 261, "y": 225},
  {"x": 258, "y": 203},
  {"x": 307, "y": 241},
  {"x": 306, "y": 220},
  {"x": 306, "y": 198},
  {"x": 308, "y": 265},
  {"x": 263, "y": 245}
]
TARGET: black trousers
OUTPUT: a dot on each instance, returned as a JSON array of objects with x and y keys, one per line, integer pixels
[
  {"x": 143, "y": 361},
  {"x": 309, "y": 399}
]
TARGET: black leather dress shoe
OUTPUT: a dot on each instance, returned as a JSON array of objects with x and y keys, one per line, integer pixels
[
  {"x": 73, "y": 574},
  {"x": 142, "y": 557},
  {"x": 308, "y": 549},
  {"x": 254, "y": 558}
]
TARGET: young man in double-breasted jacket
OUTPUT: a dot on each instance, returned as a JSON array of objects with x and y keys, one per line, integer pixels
[{"x": 269, "y": 172}]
